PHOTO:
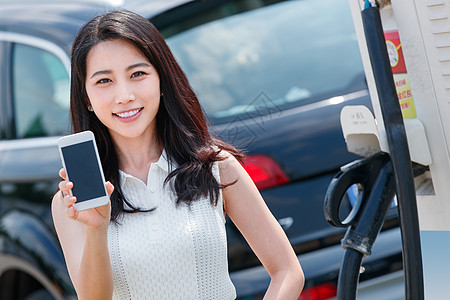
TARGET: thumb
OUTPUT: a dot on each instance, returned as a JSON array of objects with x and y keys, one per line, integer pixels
[{"x": 109, "y": 188}]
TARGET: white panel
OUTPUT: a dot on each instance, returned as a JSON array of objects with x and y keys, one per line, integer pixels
[{"x": 442, "y": 40}]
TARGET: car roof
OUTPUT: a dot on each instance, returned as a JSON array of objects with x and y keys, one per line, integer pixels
[{"x": 59, "y": 21}]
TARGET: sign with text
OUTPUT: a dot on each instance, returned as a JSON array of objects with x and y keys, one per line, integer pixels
[{"x": 394, "y": 48}]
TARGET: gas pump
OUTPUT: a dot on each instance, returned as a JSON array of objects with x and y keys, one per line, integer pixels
[{"x": 407, "y": 137}]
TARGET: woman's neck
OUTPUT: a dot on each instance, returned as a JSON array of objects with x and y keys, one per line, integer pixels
[{"x": 137, "y": 154}]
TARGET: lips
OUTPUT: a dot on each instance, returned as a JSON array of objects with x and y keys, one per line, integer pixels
[{"x": 128, "y": 114}]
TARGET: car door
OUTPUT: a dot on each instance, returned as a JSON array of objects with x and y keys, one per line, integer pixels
[{"x": 34, "y": 89}]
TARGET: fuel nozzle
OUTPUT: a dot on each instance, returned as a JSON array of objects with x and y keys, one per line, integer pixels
[{"x": 375, "y": 177}]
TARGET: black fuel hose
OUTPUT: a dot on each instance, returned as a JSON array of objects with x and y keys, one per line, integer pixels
[
  {"x": 349, "y": 274},
  {"x": 399, "y": 152}
]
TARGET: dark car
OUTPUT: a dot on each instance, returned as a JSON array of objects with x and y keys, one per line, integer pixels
[{"x": 272, "y": 76}]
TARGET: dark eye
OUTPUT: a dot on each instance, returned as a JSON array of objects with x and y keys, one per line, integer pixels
[
  {"x": 103, "y": 81},
  {"x": 137, "y": 74}
]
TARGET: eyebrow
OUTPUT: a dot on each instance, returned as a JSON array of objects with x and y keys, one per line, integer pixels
[{"x": 134, "y": 66}]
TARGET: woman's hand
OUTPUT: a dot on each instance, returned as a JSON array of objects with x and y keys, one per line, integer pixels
[
  {"x": 83, "y": 238},
  {"x": 94, "y": 218}
]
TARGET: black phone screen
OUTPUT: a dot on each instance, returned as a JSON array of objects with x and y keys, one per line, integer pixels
[{"x": 82, "y": 168}]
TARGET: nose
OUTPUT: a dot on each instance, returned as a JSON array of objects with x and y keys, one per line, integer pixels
[{"x": 124, "y": 94}]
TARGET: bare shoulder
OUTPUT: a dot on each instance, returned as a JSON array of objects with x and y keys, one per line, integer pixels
[
  {"x": 230, "y": 168},
  {"x": 240, "y": 188}
]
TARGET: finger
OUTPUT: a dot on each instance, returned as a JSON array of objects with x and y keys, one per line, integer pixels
[
  {"x": 62, "y": 185},
  {"x": 62, "y": 173},
  {"x": 72, "y": 212},
  {"x": 65, "y": 186},
  {"x": 109, "y": 188},
  {"x": 69, "y": 201}
]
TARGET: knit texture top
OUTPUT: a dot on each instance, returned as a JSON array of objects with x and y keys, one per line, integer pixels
[{"x": 173, "y": 252}]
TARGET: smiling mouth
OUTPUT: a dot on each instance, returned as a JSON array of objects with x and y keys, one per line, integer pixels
[{"x": 128, "y": 114}]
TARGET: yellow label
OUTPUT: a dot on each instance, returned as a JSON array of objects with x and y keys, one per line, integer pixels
[{"x": 404, "y": 94}]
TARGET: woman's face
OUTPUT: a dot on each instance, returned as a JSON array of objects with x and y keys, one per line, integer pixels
[{"x": 123, "y": 89}]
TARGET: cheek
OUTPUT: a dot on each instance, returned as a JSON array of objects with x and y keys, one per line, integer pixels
[
  {"x": 97, "y": 97},
  {"x": 149, "y": 87},
  {"x": 100, "y": 105}
]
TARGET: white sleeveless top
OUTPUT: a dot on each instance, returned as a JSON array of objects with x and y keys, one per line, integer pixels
[{"x": 173, "y": 252}]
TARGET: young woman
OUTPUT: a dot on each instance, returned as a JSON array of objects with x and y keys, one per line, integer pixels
[{"x": 170, "y": 183}]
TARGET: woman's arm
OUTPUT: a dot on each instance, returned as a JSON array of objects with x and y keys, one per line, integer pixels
[
  {"x": 83, "y": 238},
  {"x": 248, "y": 211}
]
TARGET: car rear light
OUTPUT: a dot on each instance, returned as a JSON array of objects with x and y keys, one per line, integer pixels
[
  {"x": 319, "y": 292},
  {"x": 264, "y": 171}
]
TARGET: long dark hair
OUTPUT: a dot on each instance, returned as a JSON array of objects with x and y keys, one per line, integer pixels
[{"x": 180, "y": 123}]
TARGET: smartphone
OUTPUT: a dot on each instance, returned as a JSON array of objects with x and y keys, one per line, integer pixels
[{"x": 80, "y": 159}]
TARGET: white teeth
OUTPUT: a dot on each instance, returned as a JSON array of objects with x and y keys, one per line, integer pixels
[{"x": 128, "y": 114}]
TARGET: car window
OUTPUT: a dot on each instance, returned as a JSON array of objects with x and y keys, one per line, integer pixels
[
  {"x": 40, "y": 92},
  {"x": 289, "y": 53}
]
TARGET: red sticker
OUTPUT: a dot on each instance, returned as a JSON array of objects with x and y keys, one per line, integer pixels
[{"x": 395, "y": 52}]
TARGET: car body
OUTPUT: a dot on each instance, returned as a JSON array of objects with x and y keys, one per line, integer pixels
[{"x": 272, "y": 77}]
